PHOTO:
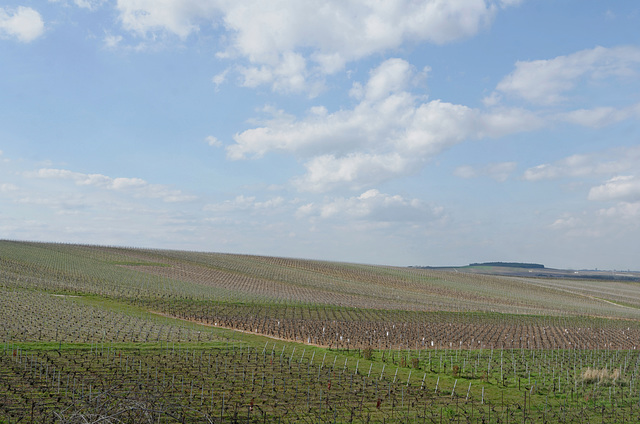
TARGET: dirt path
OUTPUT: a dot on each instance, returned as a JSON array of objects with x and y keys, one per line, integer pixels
[{"x": 162, "y": 314}]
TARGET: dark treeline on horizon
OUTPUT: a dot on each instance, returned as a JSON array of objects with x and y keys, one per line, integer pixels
[{"x": 509, "y": 264}]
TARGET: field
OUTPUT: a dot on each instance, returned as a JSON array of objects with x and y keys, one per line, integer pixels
[{"x": 105, "y": 334}]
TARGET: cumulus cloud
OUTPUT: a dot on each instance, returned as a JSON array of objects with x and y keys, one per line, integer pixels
[
  {"x": 85, "y": 4},
  {"x": 22, "y": 23},
  {"x": 390, "y": 133},
  {"x": 112, "y": 41},
  {"x": 286, "y": 43},
  {"x": 580, "y": 227},
  {"x": 579, "y": 165},
  {"x": 177, "y": 17},
  {"x": 89, "y": 4},
  {"x": 220, "y": 78},
  {"x": 392, "y": 76},
  {"x": 372, "y": 205},
  {"x": 606, "y": 224},
  {"x": 623, "y": 210},
  {"x": 621, "y": 188},
  {"x": 288, "y": 75},
  {"x": 360, "y": 27},
  {"x": 356, "y": 170},
  {"x": 212, "y": 141},
  {"x": 547, "y": 81},
  {"x": 136, "y": 186},
  {"x": 567, "y": 222}
]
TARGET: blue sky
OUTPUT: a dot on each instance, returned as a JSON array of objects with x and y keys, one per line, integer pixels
[{"x": 406, "y": 133}]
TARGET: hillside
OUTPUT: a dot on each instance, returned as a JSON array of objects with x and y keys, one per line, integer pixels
[
  {"x": 319, "y": 302},
  {"x": 92, "y": 332}
]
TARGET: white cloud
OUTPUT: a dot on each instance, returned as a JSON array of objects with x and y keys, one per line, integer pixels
[
  {"x": 547, "y": 81},
  {"x": 497, "y": 171},
  {"x": 23, "y": 23},
  {"x": 623, "y": 210},
  {"x": 272, "y": 36},
  {"x": 136, "y": 186},
  {"x": 289, "y": 75},
  {"x": 213, "y": 142},
  {"x": 580, "y": 227},
  {"x": 567, "y": 222},
  {"x": 608, "y": 162},
  {"x": 392, "y": 76},
  {"x": 388, "y": 134},
  {"x": 613, "y": 226},
  {"x": 492, "y": 100},
  {"x": 112, "y": 41},
  {"x": 266, "y": 28},
  {"x": 89, "y": 4},
  {"x": 621, "y": 188},
  {"x": 220, "y": 78},
  {"x": 85, "y": 4},
  {"x": 372, "y": 205},
  {"x": 178, "y": 17},
  {"x": 356, "y": 170},
  {"x": 359, "y": 28},
  {"x": 119, "y": 183},
  {"x": 600, "y": 116}
]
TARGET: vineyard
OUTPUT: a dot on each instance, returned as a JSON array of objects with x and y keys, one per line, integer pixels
[{"x": 119, "y": 335}]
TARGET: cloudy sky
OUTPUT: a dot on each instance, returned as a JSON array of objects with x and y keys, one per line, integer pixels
[{"x": 433, "y": 132}]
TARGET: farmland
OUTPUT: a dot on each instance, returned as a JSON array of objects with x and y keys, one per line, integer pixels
[{"x": 106, "y": 334}]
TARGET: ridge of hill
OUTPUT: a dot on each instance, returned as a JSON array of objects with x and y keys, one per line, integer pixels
[{"x": 145, "y": 273}]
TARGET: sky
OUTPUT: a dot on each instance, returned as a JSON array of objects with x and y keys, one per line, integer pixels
[{"x": 407, "y": 132}]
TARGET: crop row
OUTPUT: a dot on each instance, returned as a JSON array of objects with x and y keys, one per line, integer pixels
[
  {"x": 244, "y": 383},
  {"x": 36, "y": 316},
  {"x": 170, "y": 384},
  {"x": 348, "y": 328},
  {"x": 42, "y": 316}
]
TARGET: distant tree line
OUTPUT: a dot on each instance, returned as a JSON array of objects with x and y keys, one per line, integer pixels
[{"x": 509, "y": 265}]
